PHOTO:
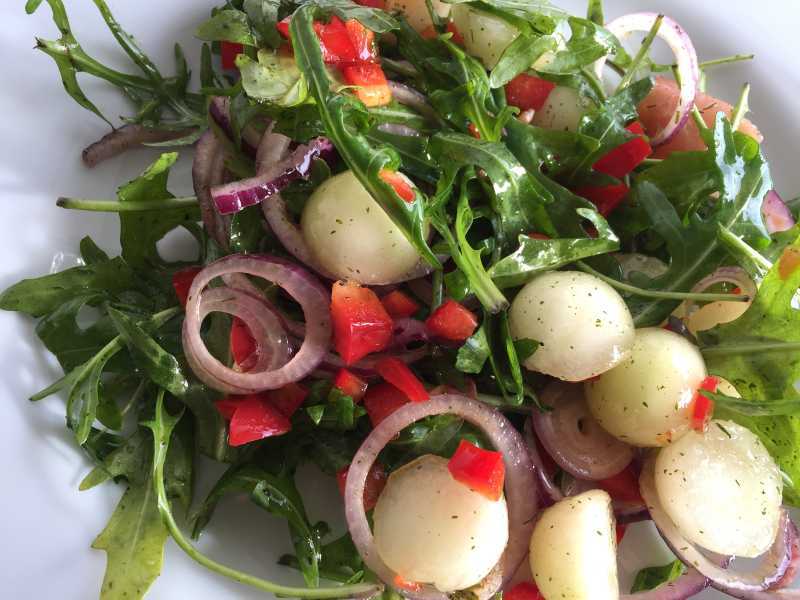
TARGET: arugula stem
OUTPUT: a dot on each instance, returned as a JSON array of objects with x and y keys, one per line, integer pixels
[
  {"x": 637, "y": 291},
  {"x": 161, "y": 427},
  {"x": 742, "y": 107},
  {"x": 730, "y": 239},
  {"x": 698, "y": 119},
  {"x": 594, "y": 83},
  {"x": 752, "y": 348},
  {"x": 726, "y": 60},
  {"x": 118, "y": 207},
  {"x": 641, "y": 54}
]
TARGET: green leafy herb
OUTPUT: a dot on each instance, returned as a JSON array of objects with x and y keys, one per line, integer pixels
[
  {"x": 272, "y": 78},
  {"x": 653, "y": 577},
  {"x": 228, "y": 25}
]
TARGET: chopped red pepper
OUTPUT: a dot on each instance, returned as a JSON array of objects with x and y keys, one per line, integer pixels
[
  {"x": 527, "y": 92},
  {"x": 360, "y": 323},
  {"x": 396, "y": 372},
  {"x": 403, "y": 584},
  {"x": 382, "y": 400},
  {"x": 605, "y": 198},
  {"x": 481, "y": 470},
  {"x": 431, "y": 33},
  {"x": 256, "y": 419},
  {"x": 399, "y": 305},
  {"x": 181, "y": 282},
  {"x": 625, "y": 158},
  {"x": 227, "y": 406},
  {"x": 401, "y": 187},
  {"x": 702, "y": 407},
  {"x": 288, "y": 398},
  {"x": 376, "y": 481},
  {"x": 340, "y": 42},
  {"x": 363, "y": 41},
  {"x": 381, "y": 4},
  {"x": 623, "y": 486},
  {"x": 523, "y": 591},
  {"x": 228, "y": 52},
  {"x": 452, "y": 321},
  {"x": 372, "y": 87},
  {"x": 283, "y": 27},
  {"x": 243, "y": 345},
  {"x": 350, "y": 384}
]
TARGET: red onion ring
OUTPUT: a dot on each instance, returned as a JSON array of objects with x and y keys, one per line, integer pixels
[
  {"x": 313, "y": 298},
  {"x": 746, "y": 586},
  {"x": 219, "y": 108},
  {"x": 686, "y": 57},
  {"x": 733, "y": 275},
  {"x": 125, "y": 138},
  {"x": 520, "y": 486},
  {"x": 777, "y": 215},
  {"x": 548, "y": 486},
  {"x": 574, "y": 439},
  {"x": 208, "y": 169}
]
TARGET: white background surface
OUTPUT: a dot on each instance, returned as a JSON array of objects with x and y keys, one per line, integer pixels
[{"x": 46, "y": 525}]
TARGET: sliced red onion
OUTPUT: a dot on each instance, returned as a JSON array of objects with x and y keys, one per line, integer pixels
[
  {"x": 732, "y": 275},
  {"x": 574, "y": 439},
  {"x": 407, "y": 331},
  {"x": 548, "y": 486},
  {"x": 208, "y": 169},
  {"x": 410, "y": 97},
  {"x": 777, "y": 215},
  {"x": 520, "y": 487},
  {"x": 685, "y": 56},
  {"x": 754, "y": 585},
  {"x": 313, "y": 298},
  {"x": 398, "y": 129},
  {"x": 125, "y": 138},
  {"x": 220, "y": 110},
  {"x": 366, "y": 367},
  {"x": 235, "y": 196}
]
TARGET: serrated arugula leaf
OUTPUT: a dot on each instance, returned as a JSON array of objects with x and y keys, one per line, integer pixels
[
  {"x": 759, "y": 354},
  {"x": 229, "y": 25},
  {"x": 653, "y": 577},
  {"x": 141, "y": 230},
  {"x": 536, "y": 255},
  {"x": 340, "y": 561},
  {"x": 372, "y": 18},
  {"x": 272, "y": 78},
  {"x": 524, "y": 51},
  {"x": 472, "y": 356},
  {"x": 159, "y": 365},
  {"x": 587, "y": 43},
  {"x": 275, "y": 494},
  {"x": 263, "y": 16}
]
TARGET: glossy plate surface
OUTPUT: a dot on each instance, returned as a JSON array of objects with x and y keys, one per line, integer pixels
[{"x": 47, "y": 525}]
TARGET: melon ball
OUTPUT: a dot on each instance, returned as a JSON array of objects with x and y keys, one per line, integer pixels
[
  {"x": 646, "y": 399},
  {"x": 430, "y": 528},
  {"x": 352, "y": 236},
  {"x": 582, "y": 324},
  {"x": 722, "y": 489},
  {"x": 485, "y": 36},
  {"x": 416, "y": 11},
  {"x": 562, "y": 110}
]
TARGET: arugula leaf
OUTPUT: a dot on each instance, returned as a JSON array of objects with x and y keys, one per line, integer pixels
[
  {"x": 160, "y": 366},
  {"x": 141, "y": 230},
  {"x": 340, "y": 561},
  {"x": 759, "y": 354},
  {"x": 338, "y": 114},
  {"x": 518, "y": 57},
  {"x": 652, "y": 577},
  {"x": 594, "y": 12},
  {"x": 587, "y": 43},
  {"x": 277, "y": 495},
  {"x": 273, "y": 78},
  {"x": 472, "y": 355},
  {"x": 91, "y": 253},
  {"x": 535, "y": 255},
  {"x": 229, "y": 25},
  {"x": 372, "y": 18},
  {"x": 263, "y": 16}
]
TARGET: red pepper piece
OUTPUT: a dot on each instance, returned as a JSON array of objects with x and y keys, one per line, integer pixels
[
  {"x": 256, "y": 419},
  {"x": 399, "y": 305},
  {"x": 481, "y": 470},
  {"x": 228, "y": 52},
  {"x": 401, "y": 186},
  {"x": 527, "y": 92},
  {"x": 360, "y": 323},
  {"x": 372, "y": 86},
  {"x": 288, "y": 398},
  {"x": 623, "y": 486},
  {"x": 382, "y": 400},
  {"x": 227, "y": 406},
  {"x": 523, "y": 591},
  {"x": 605, "y": 198},
  {"x": 625, "y": 158},
  {"x": 400, "y": 376},
  {"x": 243, "y": 345},
  {"x": 451, "y": 321},
  {"x": 182, "y": 281},
  {"x": 376, "y": 481},
  {"x": 350, "y": 384},
  {"x": 702, "y": 407}
]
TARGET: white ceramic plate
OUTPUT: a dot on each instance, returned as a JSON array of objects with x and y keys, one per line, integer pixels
[{"x": 46, "y": 524}]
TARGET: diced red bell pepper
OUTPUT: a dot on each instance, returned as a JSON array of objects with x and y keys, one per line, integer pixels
[
  {"x": 401, "y": 186},
  {"x": 527, "y": 92},
  {"x": 181, "y": 282},
  {"x": 396, "y": 372},
  {"x": 625, "y": 158},
  {"x": 283, "y": 27},
  {"x": 399, "y": 305},
  {"x": 403, "y": 584},
  {"x": 256, "y": 419},
  {"x": 481, "y": 470},
  {"x": 430, "y": 33},
  {"x": 380, "y": 4},
  {"x": 523, "y": 591},
  {"x": 350, "y": 384},
  {"x": 360, "y": 323},
  {"x": 451, "y": 321},
  {"x": 228, "y": 51},
  {"x": 372, "y": 87},
  {"x": 227, "y": 406},
  {"x": 362, "y": 39},
  {"x": 382, "y": 400},
  {"x": 376, "y": 481},
  {"x": 623, "y": 486},
  {"x": 702, "y": 407},
  {"x": 605, "y": 198},
  {"x": 288, "y": 398},
  {"x": 243, "y": 345}
]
